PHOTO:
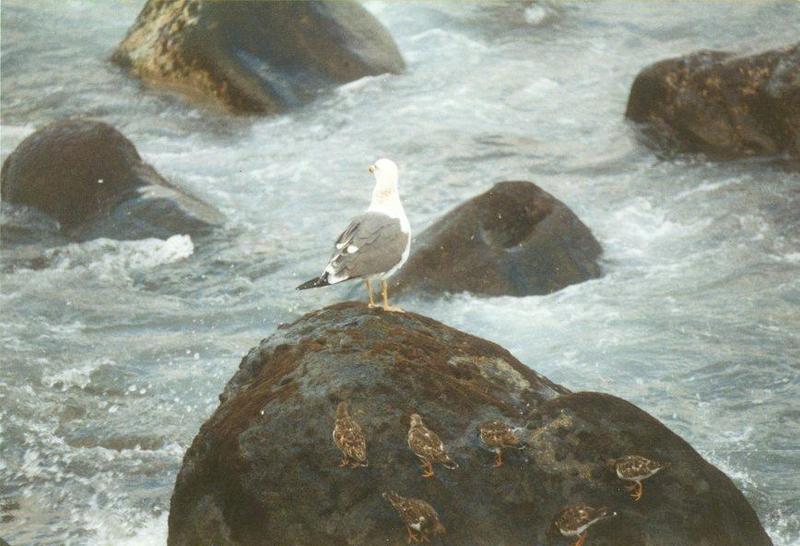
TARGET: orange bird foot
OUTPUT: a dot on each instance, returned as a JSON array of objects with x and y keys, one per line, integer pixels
[
  {"x": 344, "y": 463},
  {"x": 498, "y": 460},
  {"x": 636, "y": 491},
  {"x": 427, "y": 470},
  {"x": 581, "y": 539}
]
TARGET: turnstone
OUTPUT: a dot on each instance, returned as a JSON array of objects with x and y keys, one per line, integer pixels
[
  {"x": 634, "y": 468},
  {"x": 574, "y": 521},
  {"x": 349, "y": 438},
  {"x": 428, "y": 447},
  {"x": 422, "y": 521},
  {"x": 496, "y": 435}
]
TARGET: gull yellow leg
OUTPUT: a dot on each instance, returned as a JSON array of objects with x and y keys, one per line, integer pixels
[
  {"x": 581, "y": 539},
  {"x": 369, "y": 291},
  {"x": 385, "y": 294}
]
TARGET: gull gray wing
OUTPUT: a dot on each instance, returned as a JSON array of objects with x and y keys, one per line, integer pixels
[{"x": 372, "y": 244}]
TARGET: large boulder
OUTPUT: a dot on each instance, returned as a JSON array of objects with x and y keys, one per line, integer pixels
[
  {"x": 515, "y": 239},
  {"x": 89, "y": 178},
  {"x": 720, "y": 104},
  {"x": 264, "y": 470},
  {"x": 256, "y": 55}
]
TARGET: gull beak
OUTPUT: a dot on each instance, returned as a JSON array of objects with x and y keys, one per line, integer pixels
[{"x": 372, "y": 169}]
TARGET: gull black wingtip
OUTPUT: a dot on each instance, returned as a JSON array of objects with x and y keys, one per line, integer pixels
[{"x": 314, "y": 283}]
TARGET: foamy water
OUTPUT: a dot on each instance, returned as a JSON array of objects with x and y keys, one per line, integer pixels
[{"x": 114, "y": 352}]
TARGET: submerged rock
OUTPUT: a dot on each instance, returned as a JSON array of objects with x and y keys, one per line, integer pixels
[
  {"x": 514, "y": 239},
  {"x": 256, "y": 55},
  {"x": 721, "y": 104},
  {"x": 264, "y": 469},
  {"x": 89, "y": 178}
]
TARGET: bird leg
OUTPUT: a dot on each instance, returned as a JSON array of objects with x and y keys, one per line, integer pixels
[
  {"x": 344, "y": 462},
  {"x": 427, "y": 466},
  {"x": 369, "y": 291},
  {"x": 636, "y": 491},
  {"x": 581, "y": 539},
  {"x": 498, "y": 458},
  {"x": 385, "y": 294}
]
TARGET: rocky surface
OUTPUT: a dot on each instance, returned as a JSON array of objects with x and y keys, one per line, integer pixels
[
  {"x": 256, "y": 55},
  {"x": 90, "y": 179},
  {"x": 514, "y": 239},
  {"x": 720, "y": 104},
  {"x": 264, "y": 469}
]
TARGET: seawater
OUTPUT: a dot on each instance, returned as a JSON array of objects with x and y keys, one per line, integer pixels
[{"x": 113, "y": 353}]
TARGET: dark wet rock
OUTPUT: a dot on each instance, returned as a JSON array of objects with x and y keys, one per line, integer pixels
[
  {"x": 264, "y": 469},
  {"x": 256, "y": 55},
  {"x": 89, "y": 178},
  {"x": 514, "y": 239},
  {"x": 720, "y": 104}
]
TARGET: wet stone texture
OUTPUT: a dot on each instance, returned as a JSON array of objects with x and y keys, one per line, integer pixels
[
  {"x": 88, "y": 177},
  {"x": 263, "y": 470},
  {"x": 720, "y": 104},
  {"x": 255, "y": 55},
  {"x": 514, "y": 239}
]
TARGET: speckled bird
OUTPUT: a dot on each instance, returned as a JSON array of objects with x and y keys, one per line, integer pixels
[
  {"x": 634, "y": 468},
  {"x": 574, "y": 521},
  {"x": 422, "y": 521},
  {"x": 428, "y": 447},
  {"x": 349, "y": 438},
  {"x": 497, "y": 435}
]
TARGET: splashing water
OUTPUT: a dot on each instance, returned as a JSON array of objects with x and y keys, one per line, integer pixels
[{"x": 114, "y": 352}]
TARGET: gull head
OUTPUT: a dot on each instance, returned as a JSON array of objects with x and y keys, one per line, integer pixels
[
  {"x": 385, "y": 172},
  {"x": 385, "y": 196}
]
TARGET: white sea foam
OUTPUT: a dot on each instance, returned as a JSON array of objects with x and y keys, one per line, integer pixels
[
  {"x": 105, "y": 258},
  {"x": 701, "y": 264}
]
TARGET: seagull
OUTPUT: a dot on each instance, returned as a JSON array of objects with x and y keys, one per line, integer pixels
[
  {"x": 375, "y": 244},
  {"x": 428, "y": 447},
  {"x": 420, "y": 518},
  {"x": 349, "y": 438},
  {"x": 574, "y": 521},
  {"x": 634, "y": 468},
  {"x": 496, "y": 435}
]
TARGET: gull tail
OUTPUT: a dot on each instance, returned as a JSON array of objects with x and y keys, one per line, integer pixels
[{"x": 322, "y": 280}]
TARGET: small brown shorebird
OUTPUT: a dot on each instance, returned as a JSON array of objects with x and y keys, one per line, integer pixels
[
  {"x": 422, "y": 521},
  {"x": 349, "y": 438},
  {"x": 634, "y": 468},
  {"x": 497, "y": 435},
  {"x": 428, "y": 447},
  {"x": 574, "y": 521}
]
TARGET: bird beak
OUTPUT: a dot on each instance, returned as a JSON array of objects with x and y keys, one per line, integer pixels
[{"x": 372, "y": 169}]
